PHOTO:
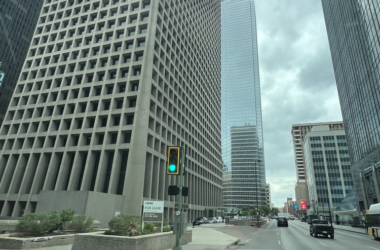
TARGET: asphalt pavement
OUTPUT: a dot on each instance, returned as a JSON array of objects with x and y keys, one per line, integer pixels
[{"x": 297, "y": 237}]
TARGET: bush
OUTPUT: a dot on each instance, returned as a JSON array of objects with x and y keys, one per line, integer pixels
[
  {"x": 66, "y": 216},
  {"x": 34, "y": 224},
  {"x": 81, "y": 224},
  {"x": 108, "y": 232},
  {"x": 166, "y": 229},
  {"x": 148, "y": 228},
  {"x": 125, "y": 224}
]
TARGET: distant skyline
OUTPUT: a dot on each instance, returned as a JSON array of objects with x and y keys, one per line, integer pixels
[{"x": 297, "y": 82}]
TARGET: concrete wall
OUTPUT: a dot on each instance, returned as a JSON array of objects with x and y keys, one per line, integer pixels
[
  {"x": 99, "y": 206},
  {"x": 38, "y": 242},
  {"x": 8, "y": 226},
  {"x": 98, "y": 241}
]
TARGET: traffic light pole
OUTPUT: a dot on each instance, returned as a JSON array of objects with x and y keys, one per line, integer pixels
[{"x": 179, "y": 211}]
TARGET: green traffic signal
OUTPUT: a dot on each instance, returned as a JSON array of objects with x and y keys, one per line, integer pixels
[{"x": 173, "y": 160}]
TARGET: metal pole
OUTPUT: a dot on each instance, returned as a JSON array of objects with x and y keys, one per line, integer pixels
[
  {"x": 329, "y": 213},
  {"x": 179, "y": 211}
]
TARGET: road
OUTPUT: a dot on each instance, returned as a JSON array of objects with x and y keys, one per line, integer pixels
[{"x": 297, "y": 237}]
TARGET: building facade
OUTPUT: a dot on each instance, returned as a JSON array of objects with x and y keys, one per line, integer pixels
[
  {"x": 18, "y": 19},
  {"x": 354, "y": 38},
  {"x": 107, "y": 86},
  {"x": 268, "y": 195},
  {"x": 328, "y": 168},
  {"x": 299, "y": 132},
  {"x": 241, "y": 103}
]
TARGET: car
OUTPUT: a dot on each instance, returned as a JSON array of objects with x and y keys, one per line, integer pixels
[
  {"x": 212, "y": 220},
  {"x": 274, "y": 217},
  {"x": 303, "y": 219},
  {"x": 321, "y": 227},
  {"x": 199, "y": 221},
  {"x": 282, "y": 221},
  {"x": 219, "y": 219}
]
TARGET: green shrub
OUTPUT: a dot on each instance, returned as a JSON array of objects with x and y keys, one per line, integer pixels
[
  {"x": 148, "y": 228},
  {"x": 34, "y": 224},
  {"x": 166, "y": 229},
  {"x": 108, "y": 232},
  {"x": 80, "y": 223},
  {"x": 125, "y": 224},
  {"x": 55, "y": 221},
  {"x": 66, "y": 216}
]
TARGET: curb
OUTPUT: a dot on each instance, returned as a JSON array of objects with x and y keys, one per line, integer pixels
[
  {"x": 232, "y": 244},
  {"x": 349, "y": 231}
]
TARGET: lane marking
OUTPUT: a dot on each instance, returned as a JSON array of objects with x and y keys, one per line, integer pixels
[
  {"x": 373, "y": 248},
  {"x": 322, "y": 243},
  {"x": 279, "y": 242}
]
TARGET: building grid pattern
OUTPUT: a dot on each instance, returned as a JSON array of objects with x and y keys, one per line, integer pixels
[{"x": 106, "y": 87}]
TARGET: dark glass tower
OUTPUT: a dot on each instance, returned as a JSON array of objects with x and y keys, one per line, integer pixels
[
  {"x": 354, "y": 37},
  {"x": 18, "y": 18},
  {"x": 242, "y": 131}
]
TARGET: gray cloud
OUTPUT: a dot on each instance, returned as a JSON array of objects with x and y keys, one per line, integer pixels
[{"x": 297, "y": 82}]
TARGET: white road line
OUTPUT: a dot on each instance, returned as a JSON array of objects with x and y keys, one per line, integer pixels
[
  {"x": 279, "y": 242},
  {"x": 278, "y": 233},
  {"x": 373, "y": 248},
  {"x": 322, "y": 243}
]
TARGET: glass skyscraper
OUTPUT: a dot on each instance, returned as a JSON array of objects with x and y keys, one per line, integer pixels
[
  {"x": 17, "y": 22},
  {"x": 354, "y": 38},
  {"x": 242, "y": 146}
]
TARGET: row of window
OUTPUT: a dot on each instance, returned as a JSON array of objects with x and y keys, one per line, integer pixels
[
  {"x": 88, "y": 7},
  {"x": 89, "y": 39}
]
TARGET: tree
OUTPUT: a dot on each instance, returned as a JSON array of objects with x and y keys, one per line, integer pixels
[
  {"x": 245, "y": 213},
  {"x": 275, "y": 211},
  {"x": 264, "y": 210}
]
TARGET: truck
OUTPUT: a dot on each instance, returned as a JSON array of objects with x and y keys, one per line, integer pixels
[
  {"x": 310, "y": 218},
  {"x": 286, "y": 215},
  {"x": 321, "y": 227}
]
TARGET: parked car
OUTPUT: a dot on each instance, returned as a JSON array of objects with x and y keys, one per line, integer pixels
[
  {"x": 200, "y": 220},
  {"x": 303, "y": 219},
  {"x": 282, "y": 221},
  {"x": 321, "y": 227},
  {"x": 212, "y": 220},
  {"x": 219, "y": 220}
]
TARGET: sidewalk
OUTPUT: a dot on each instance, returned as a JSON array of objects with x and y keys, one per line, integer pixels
[
  {"x": 206, "y": 237},
  {"x": 350, "y": 229}
]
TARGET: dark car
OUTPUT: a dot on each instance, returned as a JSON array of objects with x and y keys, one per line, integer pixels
[
  {"x": 282, "y": 221},
  {"x": 200, "y": 220},
  {"x": 303, "y": 219},
  {"x": 321, "y": 227}
]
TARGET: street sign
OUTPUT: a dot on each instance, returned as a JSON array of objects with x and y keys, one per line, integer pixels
[
  {"x": 153, "y": 212},
  {"x": 295, "y": 207},
  {"x": 303, "y": 205}
]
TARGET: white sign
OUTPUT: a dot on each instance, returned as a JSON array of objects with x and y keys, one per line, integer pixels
[{"x": 153, "y": 206}]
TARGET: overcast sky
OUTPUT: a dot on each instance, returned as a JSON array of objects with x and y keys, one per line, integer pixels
[{"x": 297, "y": 82}]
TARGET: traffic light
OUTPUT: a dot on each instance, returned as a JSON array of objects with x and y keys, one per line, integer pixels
[
  {"x": 173, "y": 190},
  {"x": 173, "y": 160},
  {"x": 185, "y": 191}
]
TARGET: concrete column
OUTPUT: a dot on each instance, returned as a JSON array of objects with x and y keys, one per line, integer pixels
[
  {"x": 19, "y": 174},
  {"x": 364, "y": 192},
  {"x": 29, "y": 176},
  {"x": 115, "y": 174},
  {"x": 75, "y": 172},
  {"x": 41, "y": 171},
  {"x": 64, "y": 172},
  {"x": 102, "y": 170},
  {"x": 8, "y": 173},
  {"x": 88, "y": 172},
  {"x": 52, "y": 172},
  {"x": 3, "y": 163},
  {"x": 154, "y": 179},
  {"x": 148, "y": 176}
]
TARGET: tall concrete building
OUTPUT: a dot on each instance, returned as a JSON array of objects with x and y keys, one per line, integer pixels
[
  {"x": 327, "y": 162},
  {"x": 18, "y": 19},
  {"x": 354, "y": 38},
  {"x": 107, "y": 86},
  {"x": 241, "y": 106},
  {"x": 268, "y": 195},
  {"x": 299, "y": 132}
]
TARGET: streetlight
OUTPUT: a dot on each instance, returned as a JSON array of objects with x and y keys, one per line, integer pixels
[{"x": 257, "y": 198}]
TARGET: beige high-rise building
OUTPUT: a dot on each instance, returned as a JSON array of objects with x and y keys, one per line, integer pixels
[
  {"x": 298, "y": 133},
  {"x": 106, "y": 87}
]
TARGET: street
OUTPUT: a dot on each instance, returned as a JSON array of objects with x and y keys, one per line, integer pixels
[{"x": 297, "y": 236}]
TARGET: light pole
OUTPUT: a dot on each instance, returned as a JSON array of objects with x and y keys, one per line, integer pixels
[{"x": 257, "y": 197}]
